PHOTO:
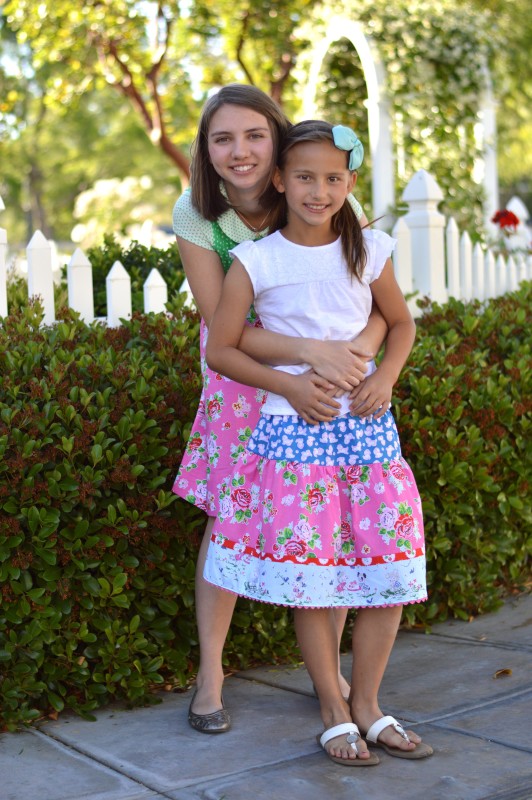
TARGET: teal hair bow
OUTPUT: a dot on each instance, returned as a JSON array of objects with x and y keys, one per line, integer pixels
[{"x": 346, "y": 139}]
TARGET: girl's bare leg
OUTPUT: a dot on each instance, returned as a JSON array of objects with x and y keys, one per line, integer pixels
[
  {"x": 214, "y": 610},
  {"x": 374, "y": 635},
  {"x": 318, "y": 641},
  {"x": 340, "y": 616}
]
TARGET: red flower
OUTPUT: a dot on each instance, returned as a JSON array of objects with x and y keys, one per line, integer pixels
[
  {"x": 194, "y": 442},
  {"x": 345, "y": 531},
  {"x": 353, "y": 474},
  {"x": 293, "y": 548},
  {"x": 241, "y": 497},
  {"x": 315, "y": 498},
  {"x": 397, "y": 471},
  {"x": 505, "y": 219},
  {"x": 404, "y": 525},
  {"x": 213, "y": 407}
]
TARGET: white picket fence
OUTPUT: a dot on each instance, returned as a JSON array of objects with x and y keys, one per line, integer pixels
[{"x": 432, "y": 258}]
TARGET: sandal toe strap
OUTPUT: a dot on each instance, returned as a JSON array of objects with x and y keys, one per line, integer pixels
[
  {"x": 384, "y": 722},
  {"x": 349, "y": 728}
]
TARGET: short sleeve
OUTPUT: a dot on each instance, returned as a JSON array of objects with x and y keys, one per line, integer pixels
[
  {"x": 189, "y": 224},
  {"x": 355, "y": 205},
  {"x": 249, "y": 256},
  {"x": 380, "y": 247}
]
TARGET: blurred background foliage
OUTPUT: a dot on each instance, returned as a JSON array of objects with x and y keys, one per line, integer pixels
[{"x": 99, "y": 101}]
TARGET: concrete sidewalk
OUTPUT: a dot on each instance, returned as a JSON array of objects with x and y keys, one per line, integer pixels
[{"x": 444, "y": 685}]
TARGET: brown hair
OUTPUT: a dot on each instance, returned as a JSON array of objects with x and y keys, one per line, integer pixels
[
  {"x": 205, "y": 181},
  {"x": 345, "y": 222}
]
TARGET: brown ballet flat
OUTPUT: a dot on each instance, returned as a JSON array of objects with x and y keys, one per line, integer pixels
[{"x": 216, "y": 722}]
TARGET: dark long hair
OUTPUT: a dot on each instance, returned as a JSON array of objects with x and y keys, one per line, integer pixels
[
  {"x": 205, "y": 181},
  {"x": 345, "y": 222}
]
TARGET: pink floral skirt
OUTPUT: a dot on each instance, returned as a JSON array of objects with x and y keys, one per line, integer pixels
[
  {"x": 320, "y": 517},
  {"x": 226, "y": 416}
]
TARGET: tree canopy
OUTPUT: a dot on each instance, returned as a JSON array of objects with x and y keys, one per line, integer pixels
[{"x": 113, "y": 88}]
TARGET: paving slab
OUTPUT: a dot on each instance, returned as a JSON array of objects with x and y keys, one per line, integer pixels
[
  {"x": 462, "y": 768},
  {"x": 510, "y": 625},
  {"x": 505, "y": 722},
  {"x": 156, "y": 746},
  {"x": 34, "y": 767}
]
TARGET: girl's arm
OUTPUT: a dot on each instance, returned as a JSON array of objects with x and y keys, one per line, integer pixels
[
  {"x": 205, "y": 276},
  {"x": 373, "y": 396},
  {"x": 224, "y": 356},
  {"x": 341, "y": 363}
]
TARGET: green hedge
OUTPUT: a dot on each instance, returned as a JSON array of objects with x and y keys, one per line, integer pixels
[{"x": 97, "y": 556}]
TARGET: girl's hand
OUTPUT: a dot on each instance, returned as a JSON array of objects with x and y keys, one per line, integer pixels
[
  {"x": 342, "y": 363},
  {"x": 307, "y": 393},
  {"x": 373, "y": 397}
]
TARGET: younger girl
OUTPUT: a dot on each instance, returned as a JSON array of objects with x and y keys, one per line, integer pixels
[{"x": 328, "y": 516}]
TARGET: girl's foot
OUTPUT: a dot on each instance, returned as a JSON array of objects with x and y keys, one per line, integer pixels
[
  {"x": 343, "y": 745},
  {"x": 390, "y": 735}
]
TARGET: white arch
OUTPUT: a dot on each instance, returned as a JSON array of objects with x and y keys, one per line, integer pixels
[{"x": 379, "y": 119}]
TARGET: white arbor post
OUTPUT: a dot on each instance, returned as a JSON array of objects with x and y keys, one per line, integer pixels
[
  {"x": 40, "y": 277},
  {"x": 155, "y": 293},
  {"x": 118, "y": 285},
  {"x": 79, "y": 281},
  {"x": 427, "y": 230}
]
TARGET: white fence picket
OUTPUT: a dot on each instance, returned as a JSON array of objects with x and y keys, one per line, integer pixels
[
  {"x": 452, "y": 240},
  {"x": 118, "y": 285},
  {"x": 79, "y": 280},
  {"x": 155, "y": 293},
  {"x": 40, "y": 277}
]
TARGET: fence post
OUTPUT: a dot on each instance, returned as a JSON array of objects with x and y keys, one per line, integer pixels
[
  {"x": 155, "y": 292},
  {"x": 79, "y": 282},
  {"x": 426, "y": 227},
  {"x": 118, "y": 285},
  {"x": 40, "y": 278}
]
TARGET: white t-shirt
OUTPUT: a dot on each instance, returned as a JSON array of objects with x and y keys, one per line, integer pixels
[{"x": 307, "y": 291}]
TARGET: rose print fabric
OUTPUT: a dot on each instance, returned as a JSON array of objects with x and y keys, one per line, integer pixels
[
  {"x": 320, "y": 516},
  {"x": 227, "y": 414}
]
